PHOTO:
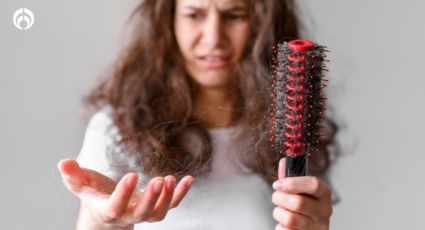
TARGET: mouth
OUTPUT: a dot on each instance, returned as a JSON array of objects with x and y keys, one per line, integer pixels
[{"x": 211, "y": 61}]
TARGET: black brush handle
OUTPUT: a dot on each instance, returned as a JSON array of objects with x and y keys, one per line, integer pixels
[{"x": 296, "y": 166}]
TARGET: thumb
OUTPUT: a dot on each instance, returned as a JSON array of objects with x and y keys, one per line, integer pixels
[
  {"x": 73, "y": 176},
  {"x": 281, "y": 170}
]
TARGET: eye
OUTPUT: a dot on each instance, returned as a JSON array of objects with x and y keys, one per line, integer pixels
[
  {"x": 195, "y": 16},
  {"x": 235, "y": 16}
]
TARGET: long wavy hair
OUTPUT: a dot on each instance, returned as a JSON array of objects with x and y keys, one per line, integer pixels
[{"x": 152, "y": 96}]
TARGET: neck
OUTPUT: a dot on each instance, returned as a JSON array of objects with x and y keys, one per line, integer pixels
[{"x": 215, "y": 107}]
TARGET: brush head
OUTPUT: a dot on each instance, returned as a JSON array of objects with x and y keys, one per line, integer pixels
[{"x": 298, "y": 100}]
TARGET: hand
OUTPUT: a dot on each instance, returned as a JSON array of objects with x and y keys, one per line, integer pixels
[
  {"x": 303, "y": 203},
  {"x": 117, "y": 203}
]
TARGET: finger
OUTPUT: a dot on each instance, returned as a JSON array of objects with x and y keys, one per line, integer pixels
[
  {"x": 292, "y": 220},
  {"x": 144, "y": 208},
  {"x": 181, "y": 190},
  {"x": 118, "y": 201},
  {"x": 164, "y": 200},
  {"x": 299, "y": 204},
  {"x": 282, "y": 165},
  {"x": 308, "y": 185},
  {"x": 73, "y": 176}
]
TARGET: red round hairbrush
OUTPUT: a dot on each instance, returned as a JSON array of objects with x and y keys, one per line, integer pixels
[{"x": 298, "y": 102}]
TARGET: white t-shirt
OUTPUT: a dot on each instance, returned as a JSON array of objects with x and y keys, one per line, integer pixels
[{"x": 229, "y": 197}]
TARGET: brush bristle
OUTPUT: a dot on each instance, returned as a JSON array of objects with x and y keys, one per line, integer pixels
[{"x": 298, "y": 99}]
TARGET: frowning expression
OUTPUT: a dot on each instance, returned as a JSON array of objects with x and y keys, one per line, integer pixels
[{"x": 212, "y": 36}]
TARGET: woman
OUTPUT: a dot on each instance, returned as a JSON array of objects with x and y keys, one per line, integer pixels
[{"x": 188, "y": 99}]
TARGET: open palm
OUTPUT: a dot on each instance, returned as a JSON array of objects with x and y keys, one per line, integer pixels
[{"x": 116, "y": 202}]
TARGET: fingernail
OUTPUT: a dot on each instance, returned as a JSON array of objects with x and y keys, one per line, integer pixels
[
  {"x": 157, "y": 186},
  {"x": 189, "y": 182},
  {"x": 185, "y": 183},
  {"x": 129, "y": 180},
  {"x": 277, "y": 185},
  {"x": 170, "y": 183}
]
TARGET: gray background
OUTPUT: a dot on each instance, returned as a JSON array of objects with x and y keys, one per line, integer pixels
[{"x": 376, "y": 88}]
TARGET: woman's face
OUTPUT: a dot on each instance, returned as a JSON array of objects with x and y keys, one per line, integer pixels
[{"x": 212, "y": 36}]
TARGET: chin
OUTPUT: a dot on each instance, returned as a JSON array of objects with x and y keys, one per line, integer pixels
[
  {"x": 213, "y": 85},
  {"x": 213, "y": 81}
]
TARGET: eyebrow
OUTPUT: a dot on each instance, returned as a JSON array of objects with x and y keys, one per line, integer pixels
[{"x": 236, "y": 7}]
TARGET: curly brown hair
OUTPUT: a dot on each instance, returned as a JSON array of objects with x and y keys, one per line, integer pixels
[{"x": 151, "y": 94}]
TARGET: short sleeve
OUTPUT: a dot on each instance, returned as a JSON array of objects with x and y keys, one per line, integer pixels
[{"x": 99, "y": 144}]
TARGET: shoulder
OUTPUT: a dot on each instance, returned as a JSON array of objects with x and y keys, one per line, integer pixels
[
  {"x": 101, "y": 119},
  {"x": 101, "y": 124},
  {"x": 101, "y": 150},
  {"x": 100, "y": 141}
]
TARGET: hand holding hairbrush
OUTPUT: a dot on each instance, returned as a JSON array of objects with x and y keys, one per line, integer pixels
[
  {"x": 298, "y": 102},
  {"x": 302, "y": 202}
]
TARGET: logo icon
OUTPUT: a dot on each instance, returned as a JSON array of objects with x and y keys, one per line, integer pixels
[{"x": 23, "y": 18}]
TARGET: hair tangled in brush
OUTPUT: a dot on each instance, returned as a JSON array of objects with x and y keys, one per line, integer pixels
[{"x": 152, "y": 96}]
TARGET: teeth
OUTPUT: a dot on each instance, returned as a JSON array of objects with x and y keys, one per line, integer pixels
[{"x": 213, "y": 59}]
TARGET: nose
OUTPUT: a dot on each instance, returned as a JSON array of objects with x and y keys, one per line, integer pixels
[{"x": 212, "y": 35}]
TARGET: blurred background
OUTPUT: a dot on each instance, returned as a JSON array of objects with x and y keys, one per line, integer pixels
[{"x": 376, "y": 90}]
